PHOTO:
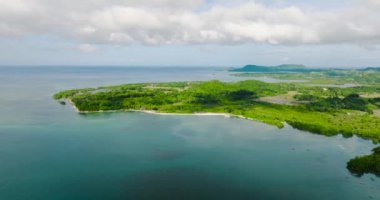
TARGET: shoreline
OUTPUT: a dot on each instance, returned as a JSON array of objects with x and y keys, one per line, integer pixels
[{"x": 153, "y": 112}]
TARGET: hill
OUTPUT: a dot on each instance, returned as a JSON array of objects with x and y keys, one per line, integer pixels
[{"x": 275, "y": 69}]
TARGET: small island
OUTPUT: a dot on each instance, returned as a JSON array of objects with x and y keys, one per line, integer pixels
[
  {"x": 325, "y": 109},
  {"x": 275, "y": 69},
  {"x": 366, "y": 164}
]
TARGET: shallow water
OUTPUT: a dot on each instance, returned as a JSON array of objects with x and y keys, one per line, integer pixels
[
  {"x": 347, "y": 85},
  {"x": 47, "y": 151}
]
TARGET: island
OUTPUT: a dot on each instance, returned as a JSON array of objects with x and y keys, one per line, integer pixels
[
  {"x": 276, "y": 69},
  {"x": 322, "y": 109},
  {"x": 366, "y": 164}
]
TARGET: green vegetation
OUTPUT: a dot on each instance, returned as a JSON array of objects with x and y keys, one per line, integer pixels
[
  {"x": 366, "y": 164},
  {"x": 336, "y": 77},
  {"x": 327, "y": 111},
  {"x": 321, "y": 105},
  {"x": 334, "y": 100},
  {"x": 352, "y": 102}
]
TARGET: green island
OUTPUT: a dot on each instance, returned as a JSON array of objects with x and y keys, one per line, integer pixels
[
  {"x": 366, "y": 164},
  {"x": 319, "y": 105}
]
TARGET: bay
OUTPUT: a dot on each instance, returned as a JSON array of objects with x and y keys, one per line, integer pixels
[{"x": 48, "y": 151}]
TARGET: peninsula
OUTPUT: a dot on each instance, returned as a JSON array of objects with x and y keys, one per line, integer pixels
[
  {"x": 327, "y": 111},
  {"x": 322, "y": 109}
]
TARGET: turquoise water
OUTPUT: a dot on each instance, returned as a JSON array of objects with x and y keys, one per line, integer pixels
[{"x": 47, "y": 151}]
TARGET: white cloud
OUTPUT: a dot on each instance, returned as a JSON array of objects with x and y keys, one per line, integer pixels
[
  {"x": 159, "y": 22},
  {"x": 88, "y": 48}
]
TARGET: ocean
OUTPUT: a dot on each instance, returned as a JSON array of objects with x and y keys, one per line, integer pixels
[{"x": 48, "y": 151}]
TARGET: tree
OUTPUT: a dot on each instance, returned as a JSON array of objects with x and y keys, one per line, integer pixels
[{"x": 241, "y": 95}]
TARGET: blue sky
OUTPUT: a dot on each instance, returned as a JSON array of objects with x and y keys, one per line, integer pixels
[{"x": 190, "y": 33}]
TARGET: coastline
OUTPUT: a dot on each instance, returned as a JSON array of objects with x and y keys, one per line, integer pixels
[{"x": 228, "y": 115}]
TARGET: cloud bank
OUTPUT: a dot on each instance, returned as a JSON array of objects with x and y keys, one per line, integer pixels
[{"x": 173, "y": 22}]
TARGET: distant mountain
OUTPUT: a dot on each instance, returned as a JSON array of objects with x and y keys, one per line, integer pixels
[
  {"x": 279, "y": 68},
  {"x": 371, "y": 69},
  {"x": 288, "y": 68}
]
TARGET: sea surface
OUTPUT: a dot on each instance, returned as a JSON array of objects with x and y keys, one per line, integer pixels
[{"x": 50, "y": 152}]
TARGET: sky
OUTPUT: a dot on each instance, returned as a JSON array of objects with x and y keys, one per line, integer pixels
[{"x": 323, "y": 33}]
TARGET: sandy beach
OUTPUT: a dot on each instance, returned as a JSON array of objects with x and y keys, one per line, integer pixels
[{"x": 158, "y": 113}]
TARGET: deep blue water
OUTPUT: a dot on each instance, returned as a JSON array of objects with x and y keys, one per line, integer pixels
[{"x": 48, "y": 151}]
